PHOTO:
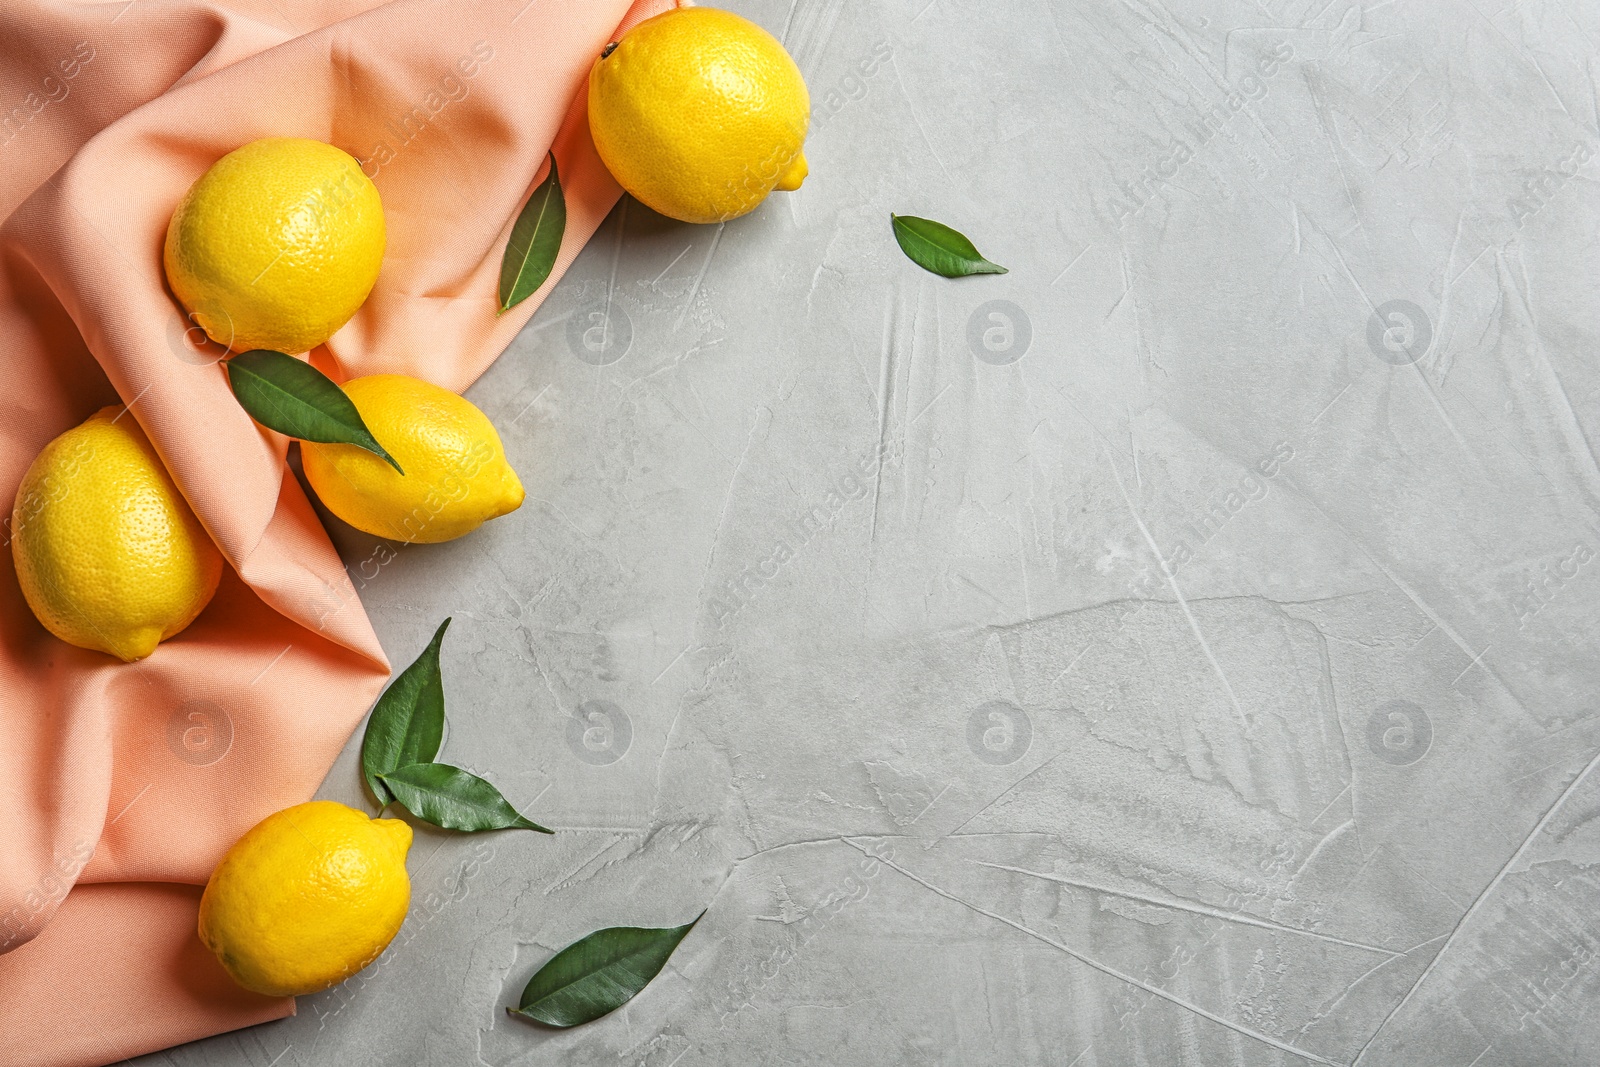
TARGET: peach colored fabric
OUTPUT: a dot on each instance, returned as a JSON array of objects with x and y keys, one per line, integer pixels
[{"x": 128, "y": 781}]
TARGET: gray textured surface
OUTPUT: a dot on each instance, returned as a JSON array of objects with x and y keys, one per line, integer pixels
[{"x": 962, "y": 775}]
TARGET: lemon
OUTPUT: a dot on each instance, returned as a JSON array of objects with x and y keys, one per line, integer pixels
[
  {"x": 107, "y": 552},
  {"x": 699, "y": 114},
  {"x": 307, "y": 897},
  {"x": 277, "y": 245},
  {"x": 456, "y": 475}
]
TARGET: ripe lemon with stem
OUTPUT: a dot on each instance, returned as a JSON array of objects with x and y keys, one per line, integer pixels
[
  {"x": 700, "y": 114},
  {"x": 107, "y": 552},
  {"x": 306, "y": 898},
  {"x": 456, "y": 474},
  {"x": 277, "y": 245}
]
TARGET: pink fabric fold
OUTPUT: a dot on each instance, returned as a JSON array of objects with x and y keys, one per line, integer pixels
[{"x": 123, "y": 783}]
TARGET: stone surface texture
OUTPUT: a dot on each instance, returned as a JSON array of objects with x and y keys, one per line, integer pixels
[{"x": 1178, "y": 651}]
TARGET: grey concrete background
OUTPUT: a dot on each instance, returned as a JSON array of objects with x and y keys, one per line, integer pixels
[{"x": 1189, "y": 656}]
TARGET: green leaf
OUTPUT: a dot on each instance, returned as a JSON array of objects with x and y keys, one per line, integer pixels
[
  {"x": 296, "y": 399},
  {"x": 454, "y": 799},
  {"x": 535, "y": 241},
  {"x": 598, "y": 974},
  {"x": 407, "y": 723},
  {"x": 935, "y": 247}
]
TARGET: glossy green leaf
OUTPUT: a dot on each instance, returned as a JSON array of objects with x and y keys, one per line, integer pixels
[
  {"x": 935, "y": 247},
  {"x": 291, "y": 396},
  {"x": 535, "y": 241},
  {"x": 454, "y": 799},
  {"x": 407, "y": 723},
  {"x": 598, "y": 974}
]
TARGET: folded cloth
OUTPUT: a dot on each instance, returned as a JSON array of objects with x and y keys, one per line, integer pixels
[{"x": 128, "y": 781}]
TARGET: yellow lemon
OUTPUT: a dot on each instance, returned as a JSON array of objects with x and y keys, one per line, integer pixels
[
  {"x": 699, "y": 114},
  {"x": 307, "y": 897},
  {"x": 107, "y": 552},
  {"x": 456, "y": 475},
  {"x": 277, "y": 245}
]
